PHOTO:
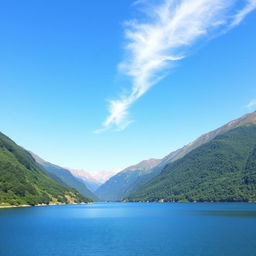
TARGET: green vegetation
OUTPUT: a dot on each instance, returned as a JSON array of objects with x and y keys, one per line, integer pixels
[
  {"x": 22, "y": 182},
  {"x": 223, "y": 169},
  {"x": 129, "y": 180}
]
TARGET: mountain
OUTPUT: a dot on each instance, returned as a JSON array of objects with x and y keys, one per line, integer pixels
[
  {"x": 103, "y": 176},
  {"x": 124, "y": 182},
  {"x": 22, "y": 182},
  {"x": 246, "y": 119},
  {"x": 86, "y": 178},
  {"x": 93, "y": 180},
  {"x": 223, "y": 169},
  {"x": 127, "y": 182},
  {"x": 177, "y": 154},
  {"x": 64, "y": 177}
]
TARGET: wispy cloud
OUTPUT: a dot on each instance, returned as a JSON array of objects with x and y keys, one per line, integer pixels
[
  {"x": 164, "y": 36},
  {"x": 250, "y": 6},
  {"x": 251, "y": 104}
]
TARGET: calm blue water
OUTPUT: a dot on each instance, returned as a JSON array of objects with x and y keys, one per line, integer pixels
[{"x": 129, "y": 229}]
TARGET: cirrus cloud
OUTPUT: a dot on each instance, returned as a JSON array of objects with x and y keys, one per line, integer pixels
[
  {"x": 163, "y": 37},
  {"x": 251, "y": 104}
]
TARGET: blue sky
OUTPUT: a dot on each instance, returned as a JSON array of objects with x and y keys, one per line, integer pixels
[{"x": 59, "y": 67}]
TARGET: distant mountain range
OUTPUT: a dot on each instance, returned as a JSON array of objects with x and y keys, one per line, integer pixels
[
  {"x": 23, "y": 182},
  {"x": 64, "y": 177},
  {"x": 218, "y": 166},
  {"x": 124, "y": 182},
  {"x": 86, "y": 178},
  {"x": 93, "y": 180},
  {"x": 128, "y": 181}
]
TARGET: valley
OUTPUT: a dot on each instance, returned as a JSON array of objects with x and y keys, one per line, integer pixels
[{"x": 217, "y": 167}]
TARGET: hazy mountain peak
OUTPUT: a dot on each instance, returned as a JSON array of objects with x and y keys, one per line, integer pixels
[
  {"x": 143, "y": 165},
  {"x": 96, "y": 176}
]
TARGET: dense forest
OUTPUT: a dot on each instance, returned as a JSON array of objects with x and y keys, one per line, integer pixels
[
  {"x": 223, "y": 169},
  {"x": 22, "y": 182}
]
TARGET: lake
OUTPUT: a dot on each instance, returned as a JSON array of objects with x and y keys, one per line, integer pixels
[{"x": 130, "y": 229}]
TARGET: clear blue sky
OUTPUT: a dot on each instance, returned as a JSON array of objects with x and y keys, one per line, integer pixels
[{"x": 58, "y": 67}]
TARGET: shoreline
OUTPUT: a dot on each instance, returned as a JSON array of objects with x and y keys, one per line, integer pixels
[
  {"x": 38, "y": 205},
  {"x": 14, "y": 206},
  {"x": 45, "y": 205}
]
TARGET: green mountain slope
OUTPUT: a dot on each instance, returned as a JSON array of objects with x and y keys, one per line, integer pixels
[
  {"x": 126, "y": 181},
  {"x": 23, "y": 182},
  {"x": 181, "y": 152},
  {"x": 64, "y": 177},
  {"x": 220, "y": 170}
]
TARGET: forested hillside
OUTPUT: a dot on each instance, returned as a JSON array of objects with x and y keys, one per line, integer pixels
[
  {"x": 23, "y": 182},
  {"x": 130, "y": 179},
  {"x": 223, "y": 169}
]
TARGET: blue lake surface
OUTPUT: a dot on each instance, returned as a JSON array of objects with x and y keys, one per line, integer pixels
[{"x": 130, "y": 229}]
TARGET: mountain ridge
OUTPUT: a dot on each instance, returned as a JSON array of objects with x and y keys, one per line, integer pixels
[
  {"x": 243, "y": 120},
  {"x": 111, "y": 191},
  {"x": 22, "y": 182},
  {"x": 64, "y": 176},
  {"x": 141, "y": 177},
  {"x": 223, "y": 169}
]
